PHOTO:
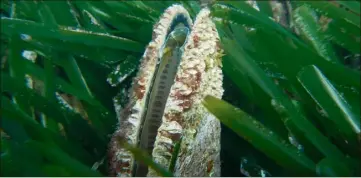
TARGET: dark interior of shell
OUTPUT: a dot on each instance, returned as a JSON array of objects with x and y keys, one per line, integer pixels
[{"x": 163, "y": 79}]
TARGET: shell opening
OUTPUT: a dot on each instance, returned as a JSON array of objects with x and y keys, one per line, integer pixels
[{"x": 163, "y": 79}]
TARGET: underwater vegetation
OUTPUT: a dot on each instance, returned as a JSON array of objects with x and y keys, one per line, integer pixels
[{"x": 274, "y": 90}]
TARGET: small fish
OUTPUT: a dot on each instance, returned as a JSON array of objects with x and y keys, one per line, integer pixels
[{"x": 169, "y": 59}]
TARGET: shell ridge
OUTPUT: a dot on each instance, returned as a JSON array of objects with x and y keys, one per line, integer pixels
[{"x": 121, "y": 161}]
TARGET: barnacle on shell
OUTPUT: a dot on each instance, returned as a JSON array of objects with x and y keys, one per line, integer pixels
[{"x": 196, "y": 73}]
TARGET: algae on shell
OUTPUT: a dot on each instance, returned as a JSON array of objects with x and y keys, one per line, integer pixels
[{"x": 199, "y": 74}]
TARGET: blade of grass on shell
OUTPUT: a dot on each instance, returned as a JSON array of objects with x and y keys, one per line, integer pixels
[
  {"x": 306, "y": 22},
  {"x": 330, "y": 100},
  {"x": 259, "y": 136},
  {"x": 17, "y": 26},
  {"x": 174, "y": 157},
  {"x": 142, "y": 156}
]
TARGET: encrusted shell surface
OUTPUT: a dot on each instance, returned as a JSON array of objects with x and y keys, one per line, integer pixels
[
  {"x": 198, "y": 75},
  {"x": 120, "y": 160}
]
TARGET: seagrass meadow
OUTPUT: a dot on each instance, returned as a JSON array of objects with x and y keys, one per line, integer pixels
[{"x": 258, "y": 88}]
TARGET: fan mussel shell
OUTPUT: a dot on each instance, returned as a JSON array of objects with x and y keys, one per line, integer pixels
[{"x": 180, "y": 66}]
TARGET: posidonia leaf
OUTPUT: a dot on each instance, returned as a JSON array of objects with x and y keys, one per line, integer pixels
[
  {"x": 45, "y": 14},
  {"x": 47, "y": 47},
  {"x": 50, "y": 87},
  {"x": 74, "y": 74},
  {"x": 306, "y": 21},
  {"x": 265, "y": 7},
  {"x": 56, "y": 170},
  {"x": 123, "y": 71},
  {"x": 331, "y": 101},
  {"x": 61, "y": 12},
  {"x": 24, "y": 9},
  {"x": 268, "y": 32},
  {"x": 102, "y": 13},
  {"x": 332, "y": 168},
  {"x": 57, "y": 156},
  {"x": 330, "y": 9},
  {"x": 89, "y": 22},
  {"x": 14, "y": 129},
  {"x": 342, "y": 38},
  {"x": 194, "y": 6},
  {"x": 353, "y": 6},
  {"x": 243, "y": 79},
  {"x": 21, "y": 159},
  {"x": 17, "y": 72},
  {"x": 260, "y": 137},
  {"x": 62, "y": 85},
  {"x": 278, "y": 59},
  {"x": 302, "y": 57},
  {"x": 295, "y": 121},
  {"x": 17, "y": 27},
  {"x": 33, "y": 129},
  {"x": 243, "y": 13},
  {"x": 76, "y": 127}
]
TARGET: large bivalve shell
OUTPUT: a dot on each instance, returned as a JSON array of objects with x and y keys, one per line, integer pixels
[{"x": 198, "y": 74}]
